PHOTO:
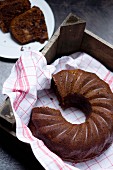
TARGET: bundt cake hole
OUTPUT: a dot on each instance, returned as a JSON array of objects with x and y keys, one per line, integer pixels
[
  {"x": 78, "y": 101},
  {"x": 75, "y": 100}
]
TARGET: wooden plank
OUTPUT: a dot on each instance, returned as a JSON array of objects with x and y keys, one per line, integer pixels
[
  {"x": 71, "y": 33},
  {"x": 98, "y": 48},
  {"x": 7, "y": 119},
  {"x": 66, "y": 40},
  {"x": 70, "y": 39},
  {"x": 50, "y": 49}
]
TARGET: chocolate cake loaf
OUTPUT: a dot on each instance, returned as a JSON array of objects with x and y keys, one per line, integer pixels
[
  {"x": 10, "y": 9},
  {"x": 29, "y": 26}
]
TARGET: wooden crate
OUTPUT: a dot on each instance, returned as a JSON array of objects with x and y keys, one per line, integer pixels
[
  {"x": 73, "y": 37},
  {"x": 70, "y": 37}
]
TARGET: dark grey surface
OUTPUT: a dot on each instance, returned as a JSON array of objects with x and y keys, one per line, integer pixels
[{"x": 98, "y": 15}]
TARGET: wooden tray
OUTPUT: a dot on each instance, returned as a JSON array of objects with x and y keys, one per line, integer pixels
[{"x": 70, "y": 37}]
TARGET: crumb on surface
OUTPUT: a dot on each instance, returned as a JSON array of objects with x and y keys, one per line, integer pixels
[{"x": 22, "y": 49}]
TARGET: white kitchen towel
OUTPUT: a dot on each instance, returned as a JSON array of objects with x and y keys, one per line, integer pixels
[{"x": 29, "y": 85}]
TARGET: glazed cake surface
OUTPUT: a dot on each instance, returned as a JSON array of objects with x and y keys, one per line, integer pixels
[
  {"x": 29, "y": 26},
  {"x": 76, "y": 142}
]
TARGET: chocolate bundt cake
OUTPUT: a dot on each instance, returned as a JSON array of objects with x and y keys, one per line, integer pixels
[
  {"x": 10, "y": 9},
  {"x": 77, "y": 142},
  {"x": 29, "y": 26}
]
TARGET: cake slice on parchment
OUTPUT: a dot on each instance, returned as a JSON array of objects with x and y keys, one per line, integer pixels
[
  {"x": 29, "y": 27},
  {"x": 10, "y": 9}
]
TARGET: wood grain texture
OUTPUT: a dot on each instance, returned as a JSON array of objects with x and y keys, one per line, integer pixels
[
  {"x": 67, "y": 39},
  {"x": 98, "y": 48}
]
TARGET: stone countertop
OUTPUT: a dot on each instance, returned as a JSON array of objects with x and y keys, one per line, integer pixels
[{"x": 98, "y": 17}]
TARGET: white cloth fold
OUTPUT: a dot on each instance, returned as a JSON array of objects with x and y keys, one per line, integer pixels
[{"x": 29, "y": 85}]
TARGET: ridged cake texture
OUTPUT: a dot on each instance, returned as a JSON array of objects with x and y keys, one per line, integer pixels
[{"x": 77, "y": 142}]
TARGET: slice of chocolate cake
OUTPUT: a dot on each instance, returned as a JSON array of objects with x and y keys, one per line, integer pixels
[
  {"x": 29, "y": 27},
  {"x": 10, "y": 9}
]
